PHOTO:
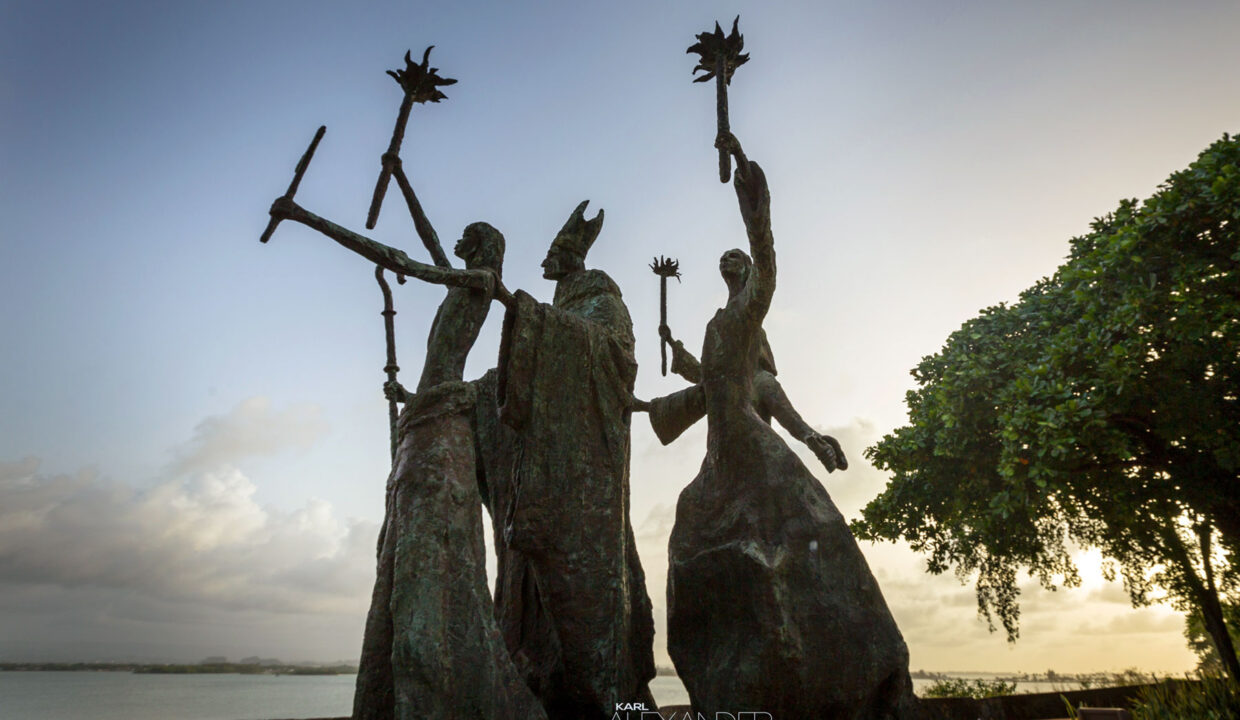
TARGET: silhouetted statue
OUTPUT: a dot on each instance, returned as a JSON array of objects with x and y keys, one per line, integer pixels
[
  {"x": 570, "y": 593},
  {"x": 771, "y": 606},
  {"x": 677, "y": 412},
  {"x": 432, "y": 648}
]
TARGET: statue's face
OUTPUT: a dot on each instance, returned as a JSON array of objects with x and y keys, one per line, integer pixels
[
  {"x": 559, "y": 262},
  {"x": 734, "y": 266},
  {"x": 481, "y": 245},
  {"x": 467, "y": 245}
]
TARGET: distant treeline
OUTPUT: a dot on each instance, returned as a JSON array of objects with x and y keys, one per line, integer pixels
[{"x": 239, "y": 668}]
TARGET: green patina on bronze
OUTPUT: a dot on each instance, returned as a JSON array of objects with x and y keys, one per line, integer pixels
[
  {"x": 432, "y": 648},
  {"x": 570, "y": 592},
  {"x": 771, "y": 606}
]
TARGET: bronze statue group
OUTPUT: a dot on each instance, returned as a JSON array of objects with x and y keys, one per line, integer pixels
[{"x": 771, "y": 606}]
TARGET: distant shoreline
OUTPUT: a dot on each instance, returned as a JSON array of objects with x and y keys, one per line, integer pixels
[{"x": 182, "y": 669}]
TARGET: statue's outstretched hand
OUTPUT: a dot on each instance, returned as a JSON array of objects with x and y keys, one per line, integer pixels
[
  {"x": 828, "y": 451},
  {"x": 494, "y": 287},
  {"x": 283, "y": 208},
  {"x": 665, "y": 334},
  {"x": 393, "y": 390},
  {"x": 727, "y": 142}
]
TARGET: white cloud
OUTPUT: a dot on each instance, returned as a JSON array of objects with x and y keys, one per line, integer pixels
[
  {"x": 200, "y": 538},
  {"x": 192, "y": 559},
  {"x": 95, "y": 558},
  {"x": 252, "y": 428}
]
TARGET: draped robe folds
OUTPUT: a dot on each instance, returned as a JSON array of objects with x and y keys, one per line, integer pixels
[
  {"x": 432, "y": 648},
  {"x": 570, "y": 594}
]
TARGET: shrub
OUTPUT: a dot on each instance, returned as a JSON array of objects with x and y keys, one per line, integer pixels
[
  {"x": 1213, "y": 698},
  {"x": 959, "y": 687}
]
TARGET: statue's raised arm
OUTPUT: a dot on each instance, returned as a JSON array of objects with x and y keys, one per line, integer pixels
[
  {"x": 388, "y": 257},
  {"x": 754, "y": 198}
]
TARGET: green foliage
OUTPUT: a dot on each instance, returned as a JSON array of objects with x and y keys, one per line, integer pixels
[
  {"x": 1212, "y": 698},
  {"x": 1100, "y": 410},
  {"x": 962, "y": 688},
  {"x": 1208, "y": 661},
  {"x": 1129, "y": 676}
]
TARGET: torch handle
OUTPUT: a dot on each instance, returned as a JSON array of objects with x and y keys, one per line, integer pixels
[
  {"x": 389, "y": 327},
  {"x": 721, "y": 114},
  {"x": 663, "y": 320}
]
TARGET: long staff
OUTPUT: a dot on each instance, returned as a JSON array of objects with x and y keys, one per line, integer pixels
[
  {"x": 297, "y": 175},
  {"x": 389, "y": 327}
]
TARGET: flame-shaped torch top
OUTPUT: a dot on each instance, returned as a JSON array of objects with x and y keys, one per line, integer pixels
[
  {"x": 714, "y": 45},
  {"x": 421, "y": 81}
]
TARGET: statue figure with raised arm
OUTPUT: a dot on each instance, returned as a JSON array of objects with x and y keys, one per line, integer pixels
[
  {"x": 771, "y": 606},
  {"x": 432, "y": 648},
  {"x": 677, "y": 412}
]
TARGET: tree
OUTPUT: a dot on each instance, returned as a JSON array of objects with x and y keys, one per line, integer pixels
[
  {"x": 1100, "y": 410},
  {"x": 1199, "y": 641}
]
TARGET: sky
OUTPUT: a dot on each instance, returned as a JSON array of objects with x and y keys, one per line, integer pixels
[{"x": 193, "y": 437}]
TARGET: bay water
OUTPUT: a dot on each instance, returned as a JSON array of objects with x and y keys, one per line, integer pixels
[
  {"x": 107, "y": 695},
  {"x": 128, "y": 696}
]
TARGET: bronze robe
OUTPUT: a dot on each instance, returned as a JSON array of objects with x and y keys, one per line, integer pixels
[
  {"x": 771, "y": 607},
  {"x": 571, "y": 595},
  {"x": 432, "y": 648}
]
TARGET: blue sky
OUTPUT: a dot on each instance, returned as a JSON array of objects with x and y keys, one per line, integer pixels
[{"x": 176, "y": 395}]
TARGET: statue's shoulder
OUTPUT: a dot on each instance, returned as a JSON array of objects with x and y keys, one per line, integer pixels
[
  {"x": 587, "y": 285},
  {"x": 594, "y": 296},
  {"x": 597, "y": 282}
]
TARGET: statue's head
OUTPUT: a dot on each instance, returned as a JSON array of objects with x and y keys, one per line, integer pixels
[
  {"x": 568, "y": 251},
  {"x": 734, "y": 266},
  {"x": 481, "y": 246}
]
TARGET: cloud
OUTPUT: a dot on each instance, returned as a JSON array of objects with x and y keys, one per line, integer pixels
[
  {"x": 193, "y": 562},
  {"x": 1141, "y": 621},
  {"x": 657, "y": 527},
  {"x": 1112, "y": 592},
  {"x": 200, "y": 538},
  {"x": 19, "y": 471},
  {"x": 187, "y": 560},
  {"x": 90, "y": 623},
  {"x": 850, "y": 489},
  {"x": 252, "y": 428}
]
